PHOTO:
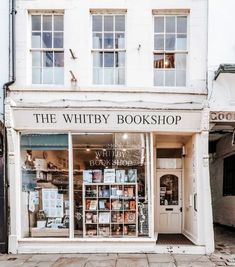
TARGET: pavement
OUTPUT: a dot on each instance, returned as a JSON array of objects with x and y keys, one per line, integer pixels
[{"x": 224, "y": 255}]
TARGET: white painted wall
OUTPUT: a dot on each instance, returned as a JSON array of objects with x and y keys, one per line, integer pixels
[
  {"x": 139, "y": 30},
  {"x": 221, "y": 49},
  {"x": 223, "y": 206},
  {"x": 4, "y": 45}
]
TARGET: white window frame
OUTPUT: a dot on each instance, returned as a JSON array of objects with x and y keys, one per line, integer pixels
[
  {"x": 105, "y": 50},
  {"x": 41, "y": 49},
  {"x": 185, "y": 52}
]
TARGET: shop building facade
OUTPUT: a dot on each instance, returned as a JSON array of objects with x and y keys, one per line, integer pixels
[
  {"x": 108, "y": 127},
  {"x": 221, "y": 79}
]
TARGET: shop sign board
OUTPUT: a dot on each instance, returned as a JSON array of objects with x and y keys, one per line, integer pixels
[
  {"x": 222, "y": 116},
  {"x": 96, "y": 120}
]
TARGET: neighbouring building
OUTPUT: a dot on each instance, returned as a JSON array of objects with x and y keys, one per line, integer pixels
[
  {"x": 4, "y": 78},
  {"x": 221, "y": 95},
  {"x": 108, "y": 127}
]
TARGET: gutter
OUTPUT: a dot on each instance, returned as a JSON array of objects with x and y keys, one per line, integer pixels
[{"x": 224, "y": 68}]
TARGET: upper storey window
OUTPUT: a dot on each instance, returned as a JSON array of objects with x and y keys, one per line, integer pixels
[
  {"x": 108, "y": 49},
  {"x": 170, "y": 50},
  {"x": 47, "y": 48}
]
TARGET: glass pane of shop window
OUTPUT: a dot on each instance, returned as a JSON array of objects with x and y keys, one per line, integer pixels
[
  {"x": 58, "y": 23},
  {"x": 58, "y": 75},
  {"x": 36, "y": 75},
  {"x": 120, "y": 23},
  {"x": 97, "y": 23},
  {"x": 180, "y": 77},
  {"x": 158, "y": 77},
  {"x": 170, "y": 42},
  {"x": 158, "y": 24},
  {"x": 47, "y": 23},
  {"x": 97, "y": 40},
  {"x": 44, "y": 170},
  {"x": 36, "y": 22},
  {"x": 182, "y": 24},
  {"x": 97, "y": 75},
  {"x": 36, "y": 40},
  {"x": 58, "y": 40},
  {"x": 169, "y": 78},
  {"x": 158, "y": 42},
  {"x": 170, "y": 24}
]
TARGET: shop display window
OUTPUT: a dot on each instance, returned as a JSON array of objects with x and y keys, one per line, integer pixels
[
  {"x": 45, "y": 185},
  {"x": 110, "y": 185},
  {"x": 110, "y": 188}
]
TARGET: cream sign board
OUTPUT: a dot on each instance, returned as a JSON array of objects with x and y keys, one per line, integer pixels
[{"x": 106, "y": 120}]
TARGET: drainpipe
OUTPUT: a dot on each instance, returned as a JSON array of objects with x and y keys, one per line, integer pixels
[{"x": 4, "y": 133}]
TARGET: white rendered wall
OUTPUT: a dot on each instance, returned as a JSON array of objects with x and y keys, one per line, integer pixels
[
  {"x": 139, "y": 30},
  {"x": 223, "y": 206},
  {"x": 221, "y": 50}
]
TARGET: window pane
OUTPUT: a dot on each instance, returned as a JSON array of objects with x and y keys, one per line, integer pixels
[
  {"x": 180, "y": 78},
  {"x": 169, "y": 78},
  {"x": 59, "y": 59},
  {"x": 158, "y": 24},
  {"x": 97, "y": 23},
  {"x": 36, "y": 59},
  {"x": 47, "y": 75},
  {"x": 158, "y": 61},
  {"x": 170, "y": 24},
  {"x": 47, "y": 59},
  {"x": 97, "y": 75},
  {"x": 120, "y": 40},
  {"x": 181, "y": 41},
  {"x": 120, "y": 76},
  {"x": 109, "y": 59},
  {"x": 158, "y": 77},
  {"x": 97, "y": 59},
  {"x": 44, "y": 172},
  {"x": 36, "y": 23},
  {"x": 47, "y": 23},
  {"x": 58, "y": 40},
  {"x": 169, "y": 61},
  {"x": 58, "y": 75},
  {"x": 108, "y": 40},
  {"x": 47, "y": 40},
  {"x": 108, "y": 23},
  {"x": 36, "y": 76},
  {"x": 36, "y": 40},
  {"x": 119, "y": 23},
  {"x": 58, "y": 23},
  {"x": 180, "y": 61},
  {"x": 97, "y": 40},
  {"x": 120, "y": 59},
  {"x": 182, "y": 24},
  {"x": 170, "y": 42},
  {"x": 159, "y": 42},
  {"x": 108, "y": 75}
]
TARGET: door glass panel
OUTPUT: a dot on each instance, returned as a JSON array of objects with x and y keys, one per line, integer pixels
[{"x": 169, "y": 190}]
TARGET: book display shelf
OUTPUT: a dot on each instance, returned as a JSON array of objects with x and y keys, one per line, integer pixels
[{"x": 111, "y": 208}]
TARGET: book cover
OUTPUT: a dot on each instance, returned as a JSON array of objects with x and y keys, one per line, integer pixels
[
  {"x": 93, "y": 205},
  {"x": 104, "y": 217},
  {"x": 120, "y": 176},
  {"x": 87, "y": 176},
  {"x": 109, "y": 175},
  {"x": 97, "y": 176},
  {"x": 132, "y": 175}
]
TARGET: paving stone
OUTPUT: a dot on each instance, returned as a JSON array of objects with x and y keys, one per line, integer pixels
[
  {"x": 100, "y": 263},
  {"x": 70, "y": 262},
  {"x": 44, "y": 257},
  {"x": 131, "y": 263},
  {"x": 132, "y": 256},
  {"x": 195, "y": 264},
  {"x": 12, "y": 263},
  {"x": 162, "y": 264},
  {"x": 190, "y": 258},
  {"x": 160, "y": 258}
]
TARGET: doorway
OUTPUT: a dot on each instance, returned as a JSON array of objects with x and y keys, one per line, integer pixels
[{"x": 169, "y": 201}]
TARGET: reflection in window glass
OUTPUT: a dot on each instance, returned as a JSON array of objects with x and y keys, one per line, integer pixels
[
  {"x": 45, "y": 185},
  {"x": 170, "y": 35},
  {"x": 47, "y": 32},
  {"x": 108, "y": 35},
  {"x": 169, "y": 191},
  {"x": 110, "y": 185}
]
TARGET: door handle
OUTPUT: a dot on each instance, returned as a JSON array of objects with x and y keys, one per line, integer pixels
[
  {"x": 181, "y": 209},
  {"x": 169, "y": 209}
]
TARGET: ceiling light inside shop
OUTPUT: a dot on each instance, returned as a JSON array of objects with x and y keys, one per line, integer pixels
[{"x": 125, "y": 136}]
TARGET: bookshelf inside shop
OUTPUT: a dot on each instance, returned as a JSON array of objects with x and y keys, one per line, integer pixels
[{"x": 111, "y": 204}]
